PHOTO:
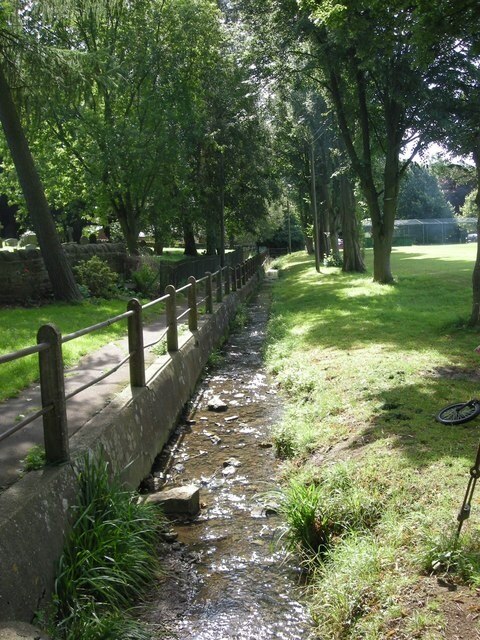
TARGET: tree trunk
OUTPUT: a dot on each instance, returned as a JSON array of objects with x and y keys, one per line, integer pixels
[
  {"x": 211, "y": 229},
  {"x": 189, "y": 240},
  {"x": 383, "y": 221},
  {"x": 158, "y": 237},
  {"x": 221, "y": 246},
  {"x": 324, "y": 188},
  {"x": 352, "y": 255},
  {"x": 313, "y": 200},
  {"x": 128, "y": 223},
  {"x": 58, "y": 269},
  {"x": 475, "y": 315},
  {"x": 305, "y": 217}
]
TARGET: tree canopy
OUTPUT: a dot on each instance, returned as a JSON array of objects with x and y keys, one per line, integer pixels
[
  {"x": 421, "y": 197},
  {"x": 192, "y": 117}
]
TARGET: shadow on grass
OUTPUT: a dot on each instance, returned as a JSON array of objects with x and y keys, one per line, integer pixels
[
  {"x": 430, "y": 301},
  {"x": 406, "y": 416}
]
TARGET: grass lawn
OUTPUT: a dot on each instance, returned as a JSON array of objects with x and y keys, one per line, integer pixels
[
  {"x": 21, "y": 326},
  {"x": 174, "y": 254},
  {"x": 372, "y": 483}
]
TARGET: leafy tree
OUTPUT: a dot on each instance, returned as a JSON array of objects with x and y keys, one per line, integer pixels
[
  {"x": 469, "y": 208},
  {"x": 364, "y": 54},
  {"x": 119, "y": 130},
  {"x": 58, "y": 268},
  {"x": 154, "y": 123},
  {"x": 452, "y": 26},
  {"x": 232, "y": 165},
  {"x": 456, "y": 181},
  {"x": 420, "y": 196}
]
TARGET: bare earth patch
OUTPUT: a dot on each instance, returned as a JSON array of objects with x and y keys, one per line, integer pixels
[
  {"x": 455, "y": 373},
  {"x": 455, "y": 608}
]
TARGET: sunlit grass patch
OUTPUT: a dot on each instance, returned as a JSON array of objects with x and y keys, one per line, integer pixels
[
  {"x": 364, "y": 370},
  {"x": 20, "y": 331}
]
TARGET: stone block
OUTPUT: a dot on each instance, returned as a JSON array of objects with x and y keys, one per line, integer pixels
[{"x": 178, "y": 501}]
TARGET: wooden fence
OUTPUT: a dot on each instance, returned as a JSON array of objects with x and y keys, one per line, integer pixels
[{"x": 213, "y": 286}]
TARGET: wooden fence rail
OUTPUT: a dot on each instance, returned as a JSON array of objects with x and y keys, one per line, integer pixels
[{"x": 50, "y": 341}]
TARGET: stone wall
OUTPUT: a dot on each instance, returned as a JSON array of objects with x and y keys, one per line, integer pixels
[{"x": 23, "y": 277}]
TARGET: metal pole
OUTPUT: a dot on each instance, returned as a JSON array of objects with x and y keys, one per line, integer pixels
[
  {"x": 219, "y": 285},
  {"x": 209, "y": 296},
  {"x": 289, "y": 230},
  {"x": 314, "y": 209}
]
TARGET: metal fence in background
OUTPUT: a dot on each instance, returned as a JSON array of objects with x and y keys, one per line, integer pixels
[{"x": 177, "y": 274}]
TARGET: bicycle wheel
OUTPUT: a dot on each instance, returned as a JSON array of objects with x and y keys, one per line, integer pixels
[{"x": 459, "y": 412}]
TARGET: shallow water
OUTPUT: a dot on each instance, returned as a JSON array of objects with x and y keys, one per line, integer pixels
[{"x": 229, "y": 580}]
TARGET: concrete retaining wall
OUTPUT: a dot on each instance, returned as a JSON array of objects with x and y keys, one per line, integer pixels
[{"x": 129, "y": 432}]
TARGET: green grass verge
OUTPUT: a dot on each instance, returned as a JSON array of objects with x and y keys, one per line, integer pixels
[
  {"x": 364, "y": 369},
  {"x": 20, "y": 331}
]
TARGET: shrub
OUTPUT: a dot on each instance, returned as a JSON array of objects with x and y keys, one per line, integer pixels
[
  {"x": 332, "y": 261},
  {"x": 445, "y": 554},
  {"x": 240, "y": 319},
  {"x": 285, "y": 443},
  {"x": 35, "y": 459},
  {"x": 215, "y": 359},
  {"x": 146, "y": 278},
  {"x": 108, "y": 561},
  {"x": 97, "y": 277}
]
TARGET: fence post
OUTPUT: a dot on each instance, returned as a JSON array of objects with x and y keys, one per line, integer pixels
[
  {"x": 209, "y": 295},
  {"x": 243, "y": 271},
  {"x": 238, "y": 272},
  {"x": 232, "y": 274},
  {"x": 192, "y": 304},
  {"x": 227, "y": 280},
  {"x": 135, "y": 344},
  {"x": 171, "y": 314},
  {"x": 219, "y": 285},
  {"x": 55, "y": 428}
]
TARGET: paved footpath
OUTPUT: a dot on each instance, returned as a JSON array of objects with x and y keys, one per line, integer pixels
[{"x": 80, "y": 408}]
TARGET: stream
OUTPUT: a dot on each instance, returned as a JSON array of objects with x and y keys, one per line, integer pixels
[{"x": 227, "y": 577}]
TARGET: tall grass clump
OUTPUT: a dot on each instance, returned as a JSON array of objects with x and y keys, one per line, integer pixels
[
  {"x": 108, "y": 562},
  {"x": 323, "y": 510},
  {"x": 240, "y": 319},
  {"x": 346, "y": 588}
]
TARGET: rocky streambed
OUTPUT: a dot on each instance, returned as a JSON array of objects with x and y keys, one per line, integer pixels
[{"x": 227, "y": 575}]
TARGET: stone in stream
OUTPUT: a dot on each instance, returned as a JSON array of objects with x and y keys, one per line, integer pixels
[
  {"x": 228, "y": 471},
  {"x": 217, "y": 404},
  {"x": 265, "y": 445},
  {"x": 20, "y": 631},
  {"x": 232, "y": 462},
  {"x": 179, "y": 500},
  {"x": 170, "y": 536}
]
